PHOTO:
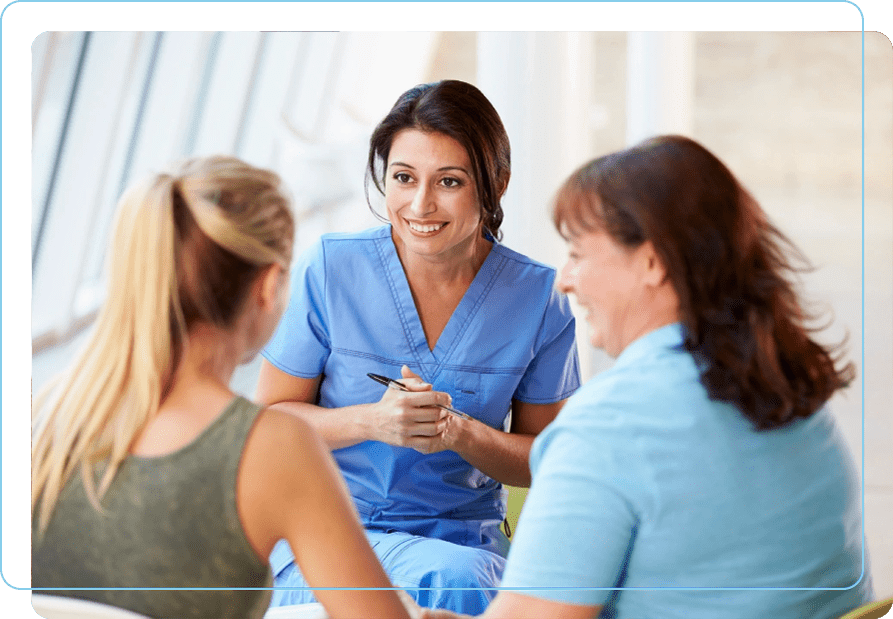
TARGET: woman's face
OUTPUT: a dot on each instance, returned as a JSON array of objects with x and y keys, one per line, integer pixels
[
  {"x": 431, "y": 195},
  {"x": 608, "y": 281}
]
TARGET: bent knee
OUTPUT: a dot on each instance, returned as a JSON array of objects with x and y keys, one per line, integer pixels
[{"x": 460, "y": 567}]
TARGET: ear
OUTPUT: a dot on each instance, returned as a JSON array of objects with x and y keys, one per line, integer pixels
[
  {"x": 654, "y": 273},
  {"x": 268, "y": 283}
]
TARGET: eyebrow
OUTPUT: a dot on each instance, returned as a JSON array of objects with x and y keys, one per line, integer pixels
[{"x": 443, "y": 169}]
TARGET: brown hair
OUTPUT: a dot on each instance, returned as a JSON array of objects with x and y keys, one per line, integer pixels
[
  {"x": 462, "y": 112},
  {"x": 728, "y": 264}
]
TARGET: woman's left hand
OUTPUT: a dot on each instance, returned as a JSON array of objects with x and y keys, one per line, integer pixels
[{"x": 451, "y": 425}]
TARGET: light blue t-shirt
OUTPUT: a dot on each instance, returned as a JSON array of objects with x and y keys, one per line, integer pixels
[
  {"x": 643, "y": 481},
  {"x": 511, "y": 337}
]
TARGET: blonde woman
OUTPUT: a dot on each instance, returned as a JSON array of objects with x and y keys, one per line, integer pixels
[{"x": 147, "y": 471}]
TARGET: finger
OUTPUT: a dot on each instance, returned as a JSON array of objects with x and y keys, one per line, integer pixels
[
  {"x": 422, "y": 414},
  {"x": 425, "y": 429},
  {"x": 415, "y": 384},
  {"x": 415, "y": 611},
  {"x": 427, "y": 398},
  {"x": 423, "y": 444}
]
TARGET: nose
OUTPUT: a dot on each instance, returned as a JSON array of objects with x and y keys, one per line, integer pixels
[
  {"x": 565, "y": 283},
  {"x": 422, "y": 202}
]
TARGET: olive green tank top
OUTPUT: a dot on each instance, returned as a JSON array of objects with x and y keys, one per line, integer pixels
[{"x": 168, "y": 521}]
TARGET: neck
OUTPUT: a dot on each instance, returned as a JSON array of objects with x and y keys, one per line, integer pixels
[
  {"x": 458, "y": 267},
  {"x": 210, "y": 356},
  {"x": 659, "y": 311}
]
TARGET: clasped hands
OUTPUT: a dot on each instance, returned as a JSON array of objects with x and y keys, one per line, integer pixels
[{"x": 412, "y": 419}]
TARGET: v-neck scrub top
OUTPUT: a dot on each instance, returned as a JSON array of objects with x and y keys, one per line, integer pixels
[{"x": 351, "y": 312}]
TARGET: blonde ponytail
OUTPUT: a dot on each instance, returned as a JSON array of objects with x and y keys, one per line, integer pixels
[{"x": 158, "y": 265}]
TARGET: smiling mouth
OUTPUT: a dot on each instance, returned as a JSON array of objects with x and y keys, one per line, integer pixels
[{"x": 425, "y": 228}]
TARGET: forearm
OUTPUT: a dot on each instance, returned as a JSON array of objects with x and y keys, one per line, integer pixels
[
  {"x": 501, "y": 455},
  {"x": 339, "y": 427}
]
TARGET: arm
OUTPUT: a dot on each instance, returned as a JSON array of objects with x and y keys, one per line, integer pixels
[
  {"x": 405, "y": 419},
  {"x": 289, "y": 487},
  {"x": 504, "y": 456},
  {"x": 552, "y": 373},
  {"x": 513, "y": 605}
]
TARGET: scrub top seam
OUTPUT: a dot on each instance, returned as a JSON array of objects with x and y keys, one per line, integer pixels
[
  {"x": 550, "y": 400},
  {"x": 510, "y": 254},
  {"x": 288, "y": 370},
  {"x": 460, "y": 332},
  {"x": 392, "y": 286},
  {"x": 325, "y": 299},
  {"x": 447, "y": 366}
]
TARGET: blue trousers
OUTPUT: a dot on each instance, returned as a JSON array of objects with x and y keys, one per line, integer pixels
[{"x": 438, "y": 574}]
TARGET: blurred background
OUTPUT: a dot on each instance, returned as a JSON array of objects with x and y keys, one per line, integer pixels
[{"x": 783, "y": 110}]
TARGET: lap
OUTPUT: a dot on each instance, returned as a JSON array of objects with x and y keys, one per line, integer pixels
[{"x": 438, "y": 573}]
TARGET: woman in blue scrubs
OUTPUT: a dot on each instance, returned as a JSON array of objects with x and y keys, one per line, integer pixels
[{"x": 432, "y": 299}]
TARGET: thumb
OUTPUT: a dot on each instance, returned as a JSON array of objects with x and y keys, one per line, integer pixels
[
  {"x": 412, "y": 380},
  {"x": 405, "y": 372}
]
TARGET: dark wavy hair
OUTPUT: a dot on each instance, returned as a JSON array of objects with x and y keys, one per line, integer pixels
[
  {"x": 462, "y": 112},
  {"x": 730, "y": 267}
]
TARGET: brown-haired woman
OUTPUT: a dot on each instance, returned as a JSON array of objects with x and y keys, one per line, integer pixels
[
  {"x": 147, "y": 471},
  {"x": 432, "y": 299},
  {"x": 705, "y": 458}
]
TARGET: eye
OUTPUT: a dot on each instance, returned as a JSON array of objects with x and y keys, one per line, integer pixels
[
  {"x": 450, "y": 182},
  {"x": 402, "y": 177}
]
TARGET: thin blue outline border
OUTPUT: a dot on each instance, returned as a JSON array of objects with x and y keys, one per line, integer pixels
[{"x": 862, "y": 367}]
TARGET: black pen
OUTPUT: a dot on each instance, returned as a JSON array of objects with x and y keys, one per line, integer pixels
[{"x": 396, "y": 384}]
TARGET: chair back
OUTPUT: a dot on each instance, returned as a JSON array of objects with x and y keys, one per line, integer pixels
[{"x": 61, "y": 607}]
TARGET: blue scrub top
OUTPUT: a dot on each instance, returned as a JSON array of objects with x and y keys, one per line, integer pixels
[
  {"x": 351, "y": 312},
  {"x": 645, "y": 482}
]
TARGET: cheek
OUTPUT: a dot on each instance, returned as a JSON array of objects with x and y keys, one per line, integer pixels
[
  {"x": 389, "y": 201},
  {"x": 466, "y": 206},
  {"x": 395, "y": 195},
  {"x": 585, "y": 280}
]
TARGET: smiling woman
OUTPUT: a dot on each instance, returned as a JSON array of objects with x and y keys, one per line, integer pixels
[
  {"x": 703, "y": 475},
  {"x": 430, "y": 194},
  {"x": 431, "y": 299}
]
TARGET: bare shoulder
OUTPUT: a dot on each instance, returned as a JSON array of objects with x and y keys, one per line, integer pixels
[
  {"x": 278, "y": 434},
  {"x": 282, "y": 461}
]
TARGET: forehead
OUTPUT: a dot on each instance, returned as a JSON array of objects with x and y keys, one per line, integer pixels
[
  {"x": 597, "y": 242},
  {"x": 414, "y": 146}
]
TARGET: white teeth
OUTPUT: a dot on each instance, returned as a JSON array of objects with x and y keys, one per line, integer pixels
[{"x": 419, "y": 228}]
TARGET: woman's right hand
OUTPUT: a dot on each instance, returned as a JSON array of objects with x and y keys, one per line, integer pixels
[
  {"x": 419, "y": 612},
  {"x": 409, "y": 418}
]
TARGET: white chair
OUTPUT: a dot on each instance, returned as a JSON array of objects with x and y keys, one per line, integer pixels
[
  {"x": 297, "y": 611},
  {"x": 61, "y": 607}
]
